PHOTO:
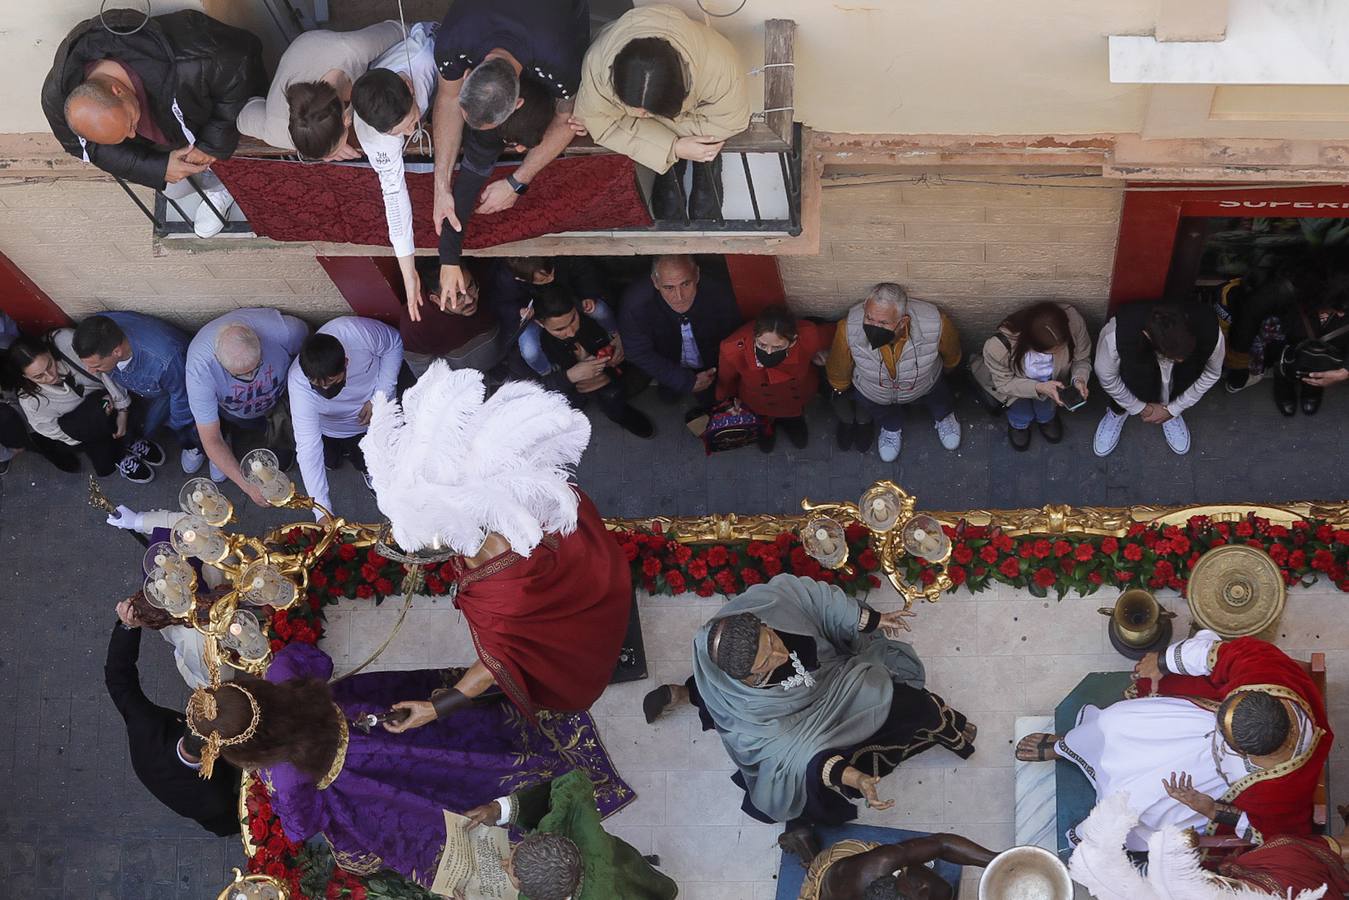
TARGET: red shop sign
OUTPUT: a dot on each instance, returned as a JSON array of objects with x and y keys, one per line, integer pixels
[{"x": 1150, "y": 221}]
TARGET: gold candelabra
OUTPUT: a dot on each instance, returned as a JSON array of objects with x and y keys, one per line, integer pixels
[
  {"x": 259, "y": 574},
  {"x": 896, "y": 530}
]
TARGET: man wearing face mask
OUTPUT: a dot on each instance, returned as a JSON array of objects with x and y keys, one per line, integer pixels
[
  {"x": 332, "y": 382},
  {"x": 890, "y": 351},
  {"x": 769, "y": 366}
]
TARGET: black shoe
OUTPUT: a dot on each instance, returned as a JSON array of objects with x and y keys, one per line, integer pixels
[
  {"x": 134, "y": 469},
  {"x": 864, "y": 436},
  {"x": 1311, "y": 399},
  {"x": 1237, "y": 379},
  {"x": 1019, "y": 438},
  {"x": 796, "y": 430},
  {"x": 656, "y": 702},
  {"x": 150, "y": 453},
  {"x": 61, "y": 457},
  {"x": 1052, "y": 430},
  {"x": 705, "y": 198},
  {"x": 4, "y": 466},
  {"x": 1285, "y": 395},
  {"x": 634, "y": 421},
  {"x": 668, "y": 202},
  {"x": 768, "y": 440},
  {"x": 843, "y": 436},
  {"x": 652, "y": 859},
  {"x": 801, "y": 843}
]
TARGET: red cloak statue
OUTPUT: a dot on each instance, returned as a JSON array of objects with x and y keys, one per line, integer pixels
[
  {"x": 1277, "y": 800},
  {"x": 550, "y": 626}
]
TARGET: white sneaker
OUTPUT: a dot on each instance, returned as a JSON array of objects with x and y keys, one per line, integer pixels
[
  {"x": 1177, "y": 435},
  {"x": 216, "y": 475},
  {"x": 948, "y": 430},
  {"x": 887, "y": 445},
  {"x": 1108, "y": 432},
  {"x": 191, "y": 460},
  {"x": 205, "y": 222}
]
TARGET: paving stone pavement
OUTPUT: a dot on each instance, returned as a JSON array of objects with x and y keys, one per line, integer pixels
[{"x": 75, "y": 822}]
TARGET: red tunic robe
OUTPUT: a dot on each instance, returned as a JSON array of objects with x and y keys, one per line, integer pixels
[
  {"x": 1278, "y": 800},
  {"x": 550, "y": 626},
  {"x": 1285, "y": 862}
]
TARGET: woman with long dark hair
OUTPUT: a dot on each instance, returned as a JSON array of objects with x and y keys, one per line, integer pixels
[
  {"x": 379, "y": 798},
  {"x": 65, "y": 403},
  {"x": 1036, "y": 353}
]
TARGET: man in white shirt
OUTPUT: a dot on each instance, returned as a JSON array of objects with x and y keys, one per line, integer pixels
[
  {"x": 1155, "y": 360},
  {"x": 389, "y": 101},
  {"x": 331, "y": 384}
]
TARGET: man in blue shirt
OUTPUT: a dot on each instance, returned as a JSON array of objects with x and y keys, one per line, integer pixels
[
  {"x": 236, "y": 385},
  {"x": 147, "y": 356}
]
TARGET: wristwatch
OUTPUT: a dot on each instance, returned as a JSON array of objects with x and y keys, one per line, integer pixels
[{"x": 518, "y": 186}]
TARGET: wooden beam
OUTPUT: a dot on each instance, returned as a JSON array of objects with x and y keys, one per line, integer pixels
[{"x": 779, "y": 77}]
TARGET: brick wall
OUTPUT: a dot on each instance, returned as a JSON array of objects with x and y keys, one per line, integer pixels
[
  {"x": 88, "y": 246},
  {"x": 978, "y": 250}
]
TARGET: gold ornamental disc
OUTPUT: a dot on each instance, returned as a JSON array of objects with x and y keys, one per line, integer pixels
[{"x": 1236, "y": 590}]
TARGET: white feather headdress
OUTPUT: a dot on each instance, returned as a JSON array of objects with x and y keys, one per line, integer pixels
[
  {"x": 450, "y": 467},
  {"x": 1174, "y": 873}
]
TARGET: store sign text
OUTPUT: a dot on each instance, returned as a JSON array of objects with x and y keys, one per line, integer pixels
[{"x": 1290, "y": 204}]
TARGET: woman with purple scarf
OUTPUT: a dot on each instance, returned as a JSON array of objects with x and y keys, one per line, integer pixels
[{"x": 379, "y": 798}]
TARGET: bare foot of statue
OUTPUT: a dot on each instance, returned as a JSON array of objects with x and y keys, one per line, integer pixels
[
  {"x": 1037, "y": 747},
  {"x": 801, "y": 843},
  {"x": 971, "y": 732}
]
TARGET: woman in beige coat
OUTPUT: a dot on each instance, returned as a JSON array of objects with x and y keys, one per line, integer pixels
[
  {"x": 1035, "y": 354},
  {"x": 661, "y": 88}
]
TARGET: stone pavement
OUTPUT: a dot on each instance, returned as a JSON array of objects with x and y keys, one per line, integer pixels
[{"x": 75, "y": 822}]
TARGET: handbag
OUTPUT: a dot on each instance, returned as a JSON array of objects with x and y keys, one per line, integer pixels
[
  {"x": 981, "y": 380},
  {"x": 732, "y": 424},
  {"x": 1315, "y": 354}
]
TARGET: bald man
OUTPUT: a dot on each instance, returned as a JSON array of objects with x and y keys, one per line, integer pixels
[
  {"x": 153, "y": 101},
  {"x": 236, "y": 386}
]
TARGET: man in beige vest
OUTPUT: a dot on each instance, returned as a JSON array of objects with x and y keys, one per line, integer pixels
[{"x": 890, "y": 351}]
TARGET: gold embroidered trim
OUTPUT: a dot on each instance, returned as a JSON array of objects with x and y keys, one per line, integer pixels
[
  {"x": 363, "y": 864},
  {"x": 340, "y": 759},
  {"x": 1213, "y": 655}
]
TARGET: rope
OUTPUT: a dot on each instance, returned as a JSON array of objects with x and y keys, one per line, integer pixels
[
  {"x": 412, "y": 582},
  {"x": 420, "y": 135}
]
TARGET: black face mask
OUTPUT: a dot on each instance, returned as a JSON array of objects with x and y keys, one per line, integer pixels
[
  {"x": 877, "y": 336},
  {"x": 769, "y": 360},
  {"x": 332, "y": 390}
]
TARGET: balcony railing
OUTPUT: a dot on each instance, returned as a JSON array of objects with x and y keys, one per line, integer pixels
[{"x": 761, "y": 166}]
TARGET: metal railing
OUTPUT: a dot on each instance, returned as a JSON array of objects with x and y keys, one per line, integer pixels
[{"x": 164, "y": 225}]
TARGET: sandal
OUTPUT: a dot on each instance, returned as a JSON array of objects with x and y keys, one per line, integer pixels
[
  {"x": 656, "y": 702},
  {"x": 1040, "y": 750}
]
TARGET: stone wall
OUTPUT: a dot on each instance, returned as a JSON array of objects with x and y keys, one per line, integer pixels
[
  {"x": 979, "y": 250},
  {"x": 87, "y": 245}
]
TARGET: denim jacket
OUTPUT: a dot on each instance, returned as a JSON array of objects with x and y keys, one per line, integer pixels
[{"x": 157, "y": 367}]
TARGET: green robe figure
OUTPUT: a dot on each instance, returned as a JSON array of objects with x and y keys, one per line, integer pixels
[{"x": 566, "y": 853}]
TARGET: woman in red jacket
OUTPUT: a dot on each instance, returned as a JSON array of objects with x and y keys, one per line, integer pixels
[{"x": 769, "y": 366}]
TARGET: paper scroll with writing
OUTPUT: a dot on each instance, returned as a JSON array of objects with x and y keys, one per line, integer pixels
[{"x": 471, "y": 866}]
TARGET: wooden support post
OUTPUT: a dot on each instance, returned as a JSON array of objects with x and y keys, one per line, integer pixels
[{"x": 779, "y": 80}]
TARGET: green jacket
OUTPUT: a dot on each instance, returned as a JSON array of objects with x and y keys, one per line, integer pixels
[{"x": 612, "y": 868}]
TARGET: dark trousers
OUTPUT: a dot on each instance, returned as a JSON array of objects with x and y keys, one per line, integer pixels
[
  {"x": 612, "y": 399},
  {"x": 336, "y": 449},
  {"x": 15, "y": 435},
  {"x": 890, "y": 416},
  {"x": 270, "y": 431},
  {"x": 94, "y": 432}
]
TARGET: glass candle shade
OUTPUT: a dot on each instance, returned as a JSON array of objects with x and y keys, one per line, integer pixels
[{"x": 200, "y": 497}]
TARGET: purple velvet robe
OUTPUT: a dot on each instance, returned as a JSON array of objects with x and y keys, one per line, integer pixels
[{"x": 385, "y": 809}]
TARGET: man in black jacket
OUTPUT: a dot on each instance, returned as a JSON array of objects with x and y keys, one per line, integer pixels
[
  {"x": 673, "y": 327},
  {"x": 166, "y": 758},
  {"x": 157, "y": 102}
]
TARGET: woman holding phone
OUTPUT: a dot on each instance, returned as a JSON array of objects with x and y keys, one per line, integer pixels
[{"x": 1038, "y": 360}]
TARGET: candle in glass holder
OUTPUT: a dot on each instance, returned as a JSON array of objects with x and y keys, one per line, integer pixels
[
  {"x": 264, "y": 473},
  {"x": 878, "y": 508},
  {"x": 826, "y": 543}
]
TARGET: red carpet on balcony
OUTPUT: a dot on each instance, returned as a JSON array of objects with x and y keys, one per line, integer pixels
[{"x": 292, "y": 201}]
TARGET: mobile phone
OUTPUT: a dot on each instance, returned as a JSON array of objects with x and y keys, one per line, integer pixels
[{"x": 1072, "y": 398}]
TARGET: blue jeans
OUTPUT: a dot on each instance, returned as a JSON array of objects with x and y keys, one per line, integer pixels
[
  {"x": 890, "y": 417},
  {"x": 1023, "y": 410},
  {"x": 530, "y": 340}
]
